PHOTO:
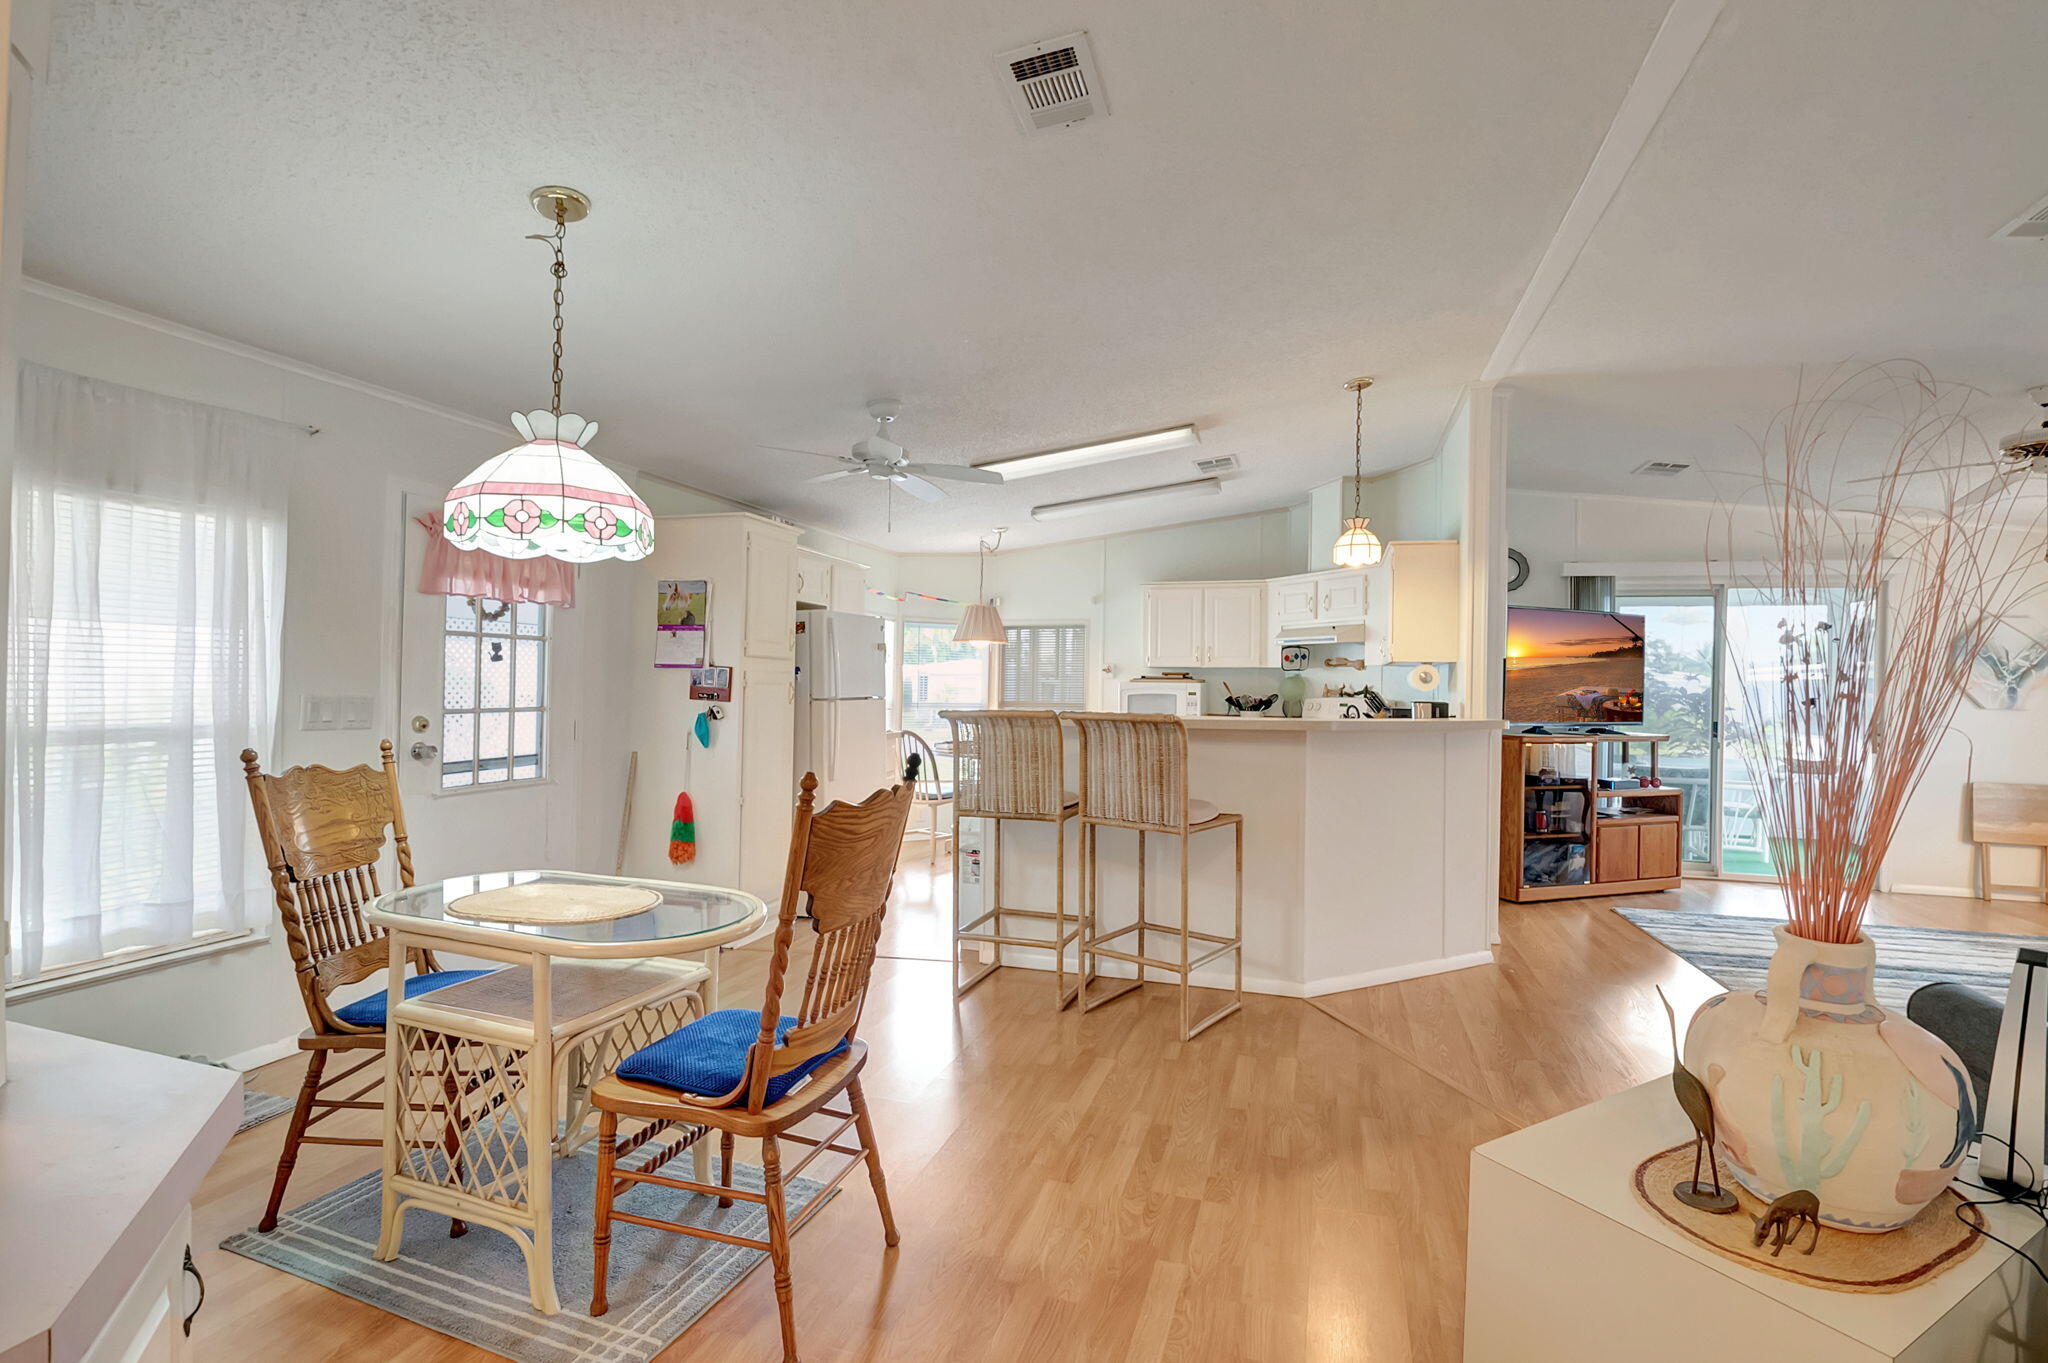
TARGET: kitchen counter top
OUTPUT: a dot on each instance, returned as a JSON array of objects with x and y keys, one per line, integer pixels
[
  {"x": 103, "y": 1147},
  {"x": 1281, "y": 725}
]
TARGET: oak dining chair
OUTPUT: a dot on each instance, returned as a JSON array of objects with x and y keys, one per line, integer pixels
[
  {"x": 759, "y": 1075},
  {"x": 1134, "y": 774},
  {"x": 323, "y": 835}
]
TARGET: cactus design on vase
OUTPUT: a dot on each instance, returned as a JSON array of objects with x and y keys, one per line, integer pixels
[{"x": 1816, "y": 1087}]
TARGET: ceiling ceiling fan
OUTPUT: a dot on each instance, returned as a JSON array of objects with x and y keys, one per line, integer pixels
[
  {"x": 2023, "y": 452},
  {"x": 887, "y": 462}
]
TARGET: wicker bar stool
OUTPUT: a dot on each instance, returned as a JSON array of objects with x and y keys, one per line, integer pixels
[
  {"x": 1134, "y": 774},
  {"x": 1011, "y": 765}
]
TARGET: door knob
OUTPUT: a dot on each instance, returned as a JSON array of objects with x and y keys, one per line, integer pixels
[{"x": 425, "y": 752}]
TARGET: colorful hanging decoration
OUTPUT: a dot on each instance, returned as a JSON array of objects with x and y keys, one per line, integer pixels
[{"x": 682, "y": 832}]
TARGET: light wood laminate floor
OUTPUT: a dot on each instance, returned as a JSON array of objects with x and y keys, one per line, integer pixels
[{"x": 1288, "y": 1187}]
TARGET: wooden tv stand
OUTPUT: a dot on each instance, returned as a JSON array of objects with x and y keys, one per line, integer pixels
[{"x": 1553, "y": 843}]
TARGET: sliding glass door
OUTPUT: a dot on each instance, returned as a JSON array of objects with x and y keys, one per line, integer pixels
[
  {"x": 1681, "y": 697},
  {"x": 1703, "y": 648}
]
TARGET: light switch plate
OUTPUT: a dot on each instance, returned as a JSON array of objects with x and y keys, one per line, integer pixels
[{"x": 334, "y": 712}]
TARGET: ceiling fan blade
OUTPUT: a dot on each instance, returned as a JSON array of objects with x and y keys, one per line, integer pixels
[
  {"x": 959, "y": 473},
  {"x": 835, "y": 473},
  {"x": 917, "y": 487},
  {"x": 1915, "y": 473},
  {"x": 1989, "y": 488}
]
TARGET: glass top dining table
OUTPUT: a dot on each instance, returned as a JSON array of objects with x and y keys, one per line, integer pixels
[{"x": 687, "y": 918}]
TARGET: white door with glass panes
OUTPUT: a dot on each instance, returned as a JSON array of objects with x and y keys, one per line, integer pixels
[{"x": 479, "y": 729}]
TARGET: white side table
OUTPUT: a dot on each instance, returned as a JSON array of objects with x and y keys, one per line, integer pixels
[{"x": 1564, "y": 1265}]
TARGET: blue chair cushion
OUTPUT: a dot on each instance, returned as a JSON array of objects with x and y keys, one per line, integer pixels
[
  {"x": 368, "y": 1011},
  {"x": 709, "y": 1057}
]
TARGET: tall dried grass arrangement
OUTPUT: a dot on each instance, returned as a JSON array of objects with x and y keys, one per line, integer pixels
[{"x": 1889, "y": 590}]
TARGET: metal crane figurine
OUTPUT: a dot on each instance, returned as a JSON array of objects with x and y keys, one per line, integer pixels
[{"x": 1699, "y": 1108}]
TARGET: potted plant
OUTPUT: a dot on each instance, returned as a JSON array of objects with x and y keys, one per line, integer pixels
[{"x": 1881, "y": 592}]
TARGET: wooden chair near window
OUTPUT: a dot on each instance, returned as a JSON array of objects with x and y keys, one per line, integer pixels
[
  {"x": 323, "y": 834},
  {"x": 750, "y": 1074},
  {"x": 1134, "y": 774},
  {"x": 928, "y": 790},
  {"x": 1011, "y": 764}
]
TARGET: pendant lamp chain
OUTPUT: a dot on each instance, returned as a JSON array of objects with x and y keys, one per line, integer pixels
[
  {"x": 1357, "y": 430},
  {"x": 560, "y": 270}
]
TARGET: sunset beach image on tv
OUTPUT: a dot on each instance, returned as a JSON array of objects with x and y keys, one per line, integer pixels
[{"x": 1573, "y": 667}]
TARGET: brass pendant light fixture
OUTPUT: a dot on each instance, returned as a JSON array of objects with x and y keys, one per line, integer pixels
[{"x": 1357, "y": 546}]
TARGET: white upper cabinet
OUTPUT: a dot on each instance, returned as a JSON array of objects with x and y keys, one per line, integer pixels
[
  {"x": 849, "y": 588},
  {"x": 1342, "y": 595},
  {"x": 1205, "y": 624},
  {"x": 770, "y": 619},
  {"x": 827, "y": 583},
  {"x": 1424, "y": 619},
  {"x": 813, "y": 579},
  {"x": 1292, "y": 600},
  {"x": 1173, "y": 625},
  {"x": 1234, "y": 625},
  {"x": 1338, "y": 596}
]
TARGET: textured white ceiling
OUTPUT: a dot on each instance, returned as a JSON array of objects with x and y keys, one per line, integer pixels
[
  {"x": 801, "y": 205},
  {"x": 1822, "y": 189}
]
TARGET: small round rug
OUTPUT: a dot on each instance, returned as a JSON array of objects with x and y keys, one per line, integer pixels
[
  {"x": 554, "y": 902},
  {"x": 1924, "y": 1248}
]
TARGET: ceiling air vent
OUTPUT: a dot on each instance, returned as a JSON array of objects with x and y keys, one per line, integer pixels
[
  {"x": 2031, "y": 225},
  {"x": 1215, "y": 464},
  {"x": 1053, "y": 83},
  {"x": 1661, "y": 468}
]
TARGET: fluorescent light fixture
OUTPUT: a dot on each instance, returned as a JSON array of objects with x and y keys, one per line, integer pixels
[
  {"x": 1099, "y": 452},
  {"x": 1088, "y": 506}
]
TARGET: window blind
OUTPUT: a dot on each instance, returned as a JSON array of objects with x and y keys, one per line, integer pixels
[{"x": 1045, "y": 667}]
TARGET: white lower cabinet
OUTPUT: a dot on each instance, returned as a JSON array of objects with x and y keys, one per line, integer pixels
[{"x": 149, "y": 1324}]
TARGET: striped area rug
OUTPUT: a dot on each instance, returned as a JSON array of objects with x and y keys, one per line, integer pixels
[
  {"x": 1736, "y": 952},
  {"x": 259, "y": 1107},
  {"x": 474, "y": 1288}
]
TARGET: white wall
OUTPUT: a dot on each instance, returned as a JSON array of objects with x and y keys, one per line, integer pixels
[
  {"x": 342, "y": 595},
  {"x": 1932, "y": 852}
]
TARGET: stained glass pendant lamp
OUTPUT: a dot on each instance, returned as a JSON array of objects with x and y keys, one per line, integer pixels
[
  {"x": 548, "y": 498},
  {"x": 1357, "y": 546}
]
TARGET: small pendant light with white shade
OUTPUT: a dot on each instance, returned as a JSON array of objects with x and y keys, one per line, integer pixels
[
  {"x": 1357, "y": 546},
  {"x": 981, "y": 623},
  {"x": 548, "y": 498}
]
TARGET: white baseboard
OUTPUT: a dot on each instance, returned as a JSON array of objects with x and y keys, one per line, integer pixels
[
  {"x": 1946, "y": 891},
  {"x": 1034, "y": 958},
  {"x": 268, "y": 1053},
  {"x": 1366, "y": 979}
]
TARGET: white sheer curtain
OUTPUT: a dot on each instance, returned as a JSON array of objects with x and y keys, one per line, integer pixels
[{"x": 144, "y": 622}]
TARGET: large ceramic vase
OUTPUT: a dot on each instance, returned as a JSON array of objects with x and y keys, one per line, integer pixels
[{"x": 1816, "y": 1087}]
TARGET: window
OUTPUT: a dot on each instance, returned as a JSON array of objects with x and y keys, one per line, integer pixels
[
  {"x": 939, "y": 674},
  {"x": 144, "y": 624},
  {"x": 494, "y": 667},
  {"x": 1045, "y": 667}
]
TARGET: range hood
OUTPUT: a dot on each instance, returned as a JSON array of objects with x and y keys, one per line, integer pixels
[{"x": 1313, "y": 633}]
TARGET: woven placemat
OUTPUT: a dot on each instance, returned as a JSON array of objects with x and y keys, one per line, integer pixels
[
  {"x": 552, "y": 902},
  {"x": 1924, "y": 1248}
]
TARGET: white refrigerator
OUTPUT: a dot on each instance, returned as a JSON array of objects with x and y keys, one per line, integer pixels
[{"x": 842, "y": 726}]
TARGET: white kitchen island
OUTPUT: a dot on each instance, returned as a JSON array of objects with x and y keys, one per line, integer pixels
[{"x": 1369, "y": 849}]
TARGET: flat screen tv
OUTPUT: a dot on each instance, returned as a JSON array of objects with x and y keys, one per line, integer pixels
[{"x": 1573, "y": 667}]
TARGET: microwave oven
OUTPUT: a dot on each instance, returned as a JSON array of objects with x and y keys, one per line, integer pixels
[{"x": 1162, "y": 696}]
